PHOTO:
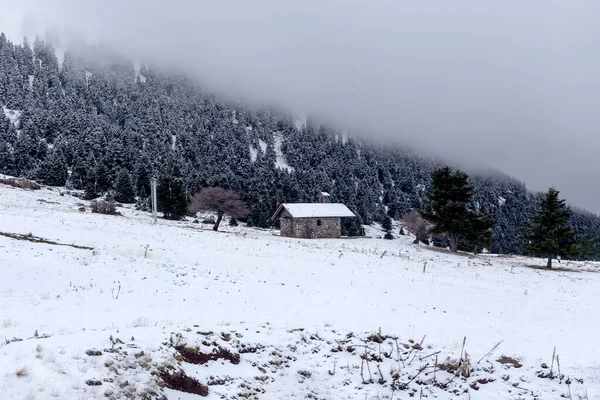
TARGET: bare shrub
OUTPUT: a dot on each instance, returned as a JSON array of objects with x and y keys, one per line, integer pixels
[
  {"x": 193, "y": 355},
  {"x": 104, "y": 207},
  {"x": 178, "y": 380},
  {"x": 93, "y": 353},
  {"x": 22, "y": 372},
  {"x": 415, "y": 224},
  {"x": 504, "y": 360},
  {"x": 221, "y": 201}
]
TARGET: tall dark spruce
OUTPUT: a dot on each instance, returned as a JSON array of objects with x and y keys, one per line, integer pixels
[{"x": 549, "y": 233}]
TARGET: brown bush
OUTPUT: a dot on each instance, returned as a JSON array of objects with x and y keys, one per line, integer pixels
[
  {"x": 221, "y": 201},
  {"x": 415, "y": 224},
  {"x": 195, "y": 356},
  {"x": 178, "y": 380}
]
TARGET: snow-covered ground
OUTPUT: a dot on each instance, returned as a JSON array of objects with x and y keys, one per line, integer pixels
[{"x": 310, "y": 319}]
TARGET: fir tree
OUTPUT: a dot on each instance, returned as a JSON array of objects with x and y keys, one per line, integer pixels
[
  {"x": 171, "y": 198},
  {"x": 124, "y": 188},
  {"x": 589, "y": 248},
  {"x": 479, "y": 234},
  {"x": 53, "y": 171},
  {"x": 447, "y": 209},
  {"x": 142, "y": 178},
  {"x": 7, "y": 161},
  {"x": 548, "y": 233},
  {"x": 386, "y": 224}
]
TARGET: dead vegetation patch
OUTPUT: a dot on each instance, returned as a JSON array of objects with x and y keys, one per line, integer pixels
[
  {"x": 93, "y": 353},
  {"x": 20, "y": 183},
  {"x": 193, "y": 355},
  {"x": 179, "y": 381},
  {"x": 505, "y": 360},
  {"x": 553, "y": 269}
]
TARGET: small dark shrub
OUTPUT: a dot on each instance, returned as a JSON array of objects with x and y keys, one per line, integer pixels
[
  {"x": 233, "y": 222},
  {"x": 180, "y": 381},
  {"x": 104, "y": 207},
  {"x": 195, "y": 356},
  {"x": 389, "y": 236}
]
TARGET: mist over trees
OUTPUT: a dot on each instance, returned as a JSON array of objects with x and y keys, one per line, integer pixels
[{"x": 94, "y": 115}]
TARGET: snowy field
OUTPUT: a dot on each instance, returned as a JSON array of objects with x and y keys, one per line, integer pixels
[{"x": 286, "y": 318}]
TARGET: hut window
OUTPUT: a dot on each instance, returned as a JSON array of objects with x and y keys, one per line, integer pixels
[{"x": 318, "y": 222}]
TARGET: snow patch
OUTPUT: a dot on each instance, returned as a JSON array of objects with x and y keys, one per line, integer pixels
[
  {"x": 280, "y": 161},
  {"x": 253, "y": 154},
  {"x": 13, "y": 115},
  {"x": 501, "y": 201},
  {"x": 137, "y": 67},
  {"x": 60, "y": 57},
  {"x": 88, "y": 76},
  {"x": 235, "y": 120},
  {"x": 173, "y": 142},
  {"x": 248, "y": 129},
  {"x": 344, "y": 137},
  {"x": 263, "y": 146},
  {"x": 31, "y": 77}
]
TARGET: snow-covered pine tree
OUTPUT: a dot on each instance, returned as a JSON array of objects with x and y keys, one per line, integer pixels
[{"x": 124, "y": 192}]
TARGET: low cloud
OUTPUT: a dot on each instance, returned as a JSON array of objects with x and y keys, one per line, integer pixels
[{"x": 510, "y": 85}]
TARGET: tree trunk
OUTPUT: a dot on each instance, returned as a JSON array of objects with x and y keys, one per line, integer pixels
[
  {"x": 453, "y": 242},
  {"x": 219, "y": 218},
  {"x": 549, "y": 264}
]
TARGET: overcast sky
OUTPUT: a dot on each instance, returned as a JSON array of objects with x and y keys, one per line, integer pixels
[{"x": 513, "y": 84}]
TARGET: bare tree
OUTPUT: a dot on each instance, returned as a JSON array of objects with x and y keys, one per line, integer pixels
[
  {"x": 221, "y": 201},
  {"x": 415, "y": 224}
]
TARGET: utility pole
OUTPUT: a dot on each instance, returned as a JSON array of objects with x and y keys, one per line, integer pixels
[{"x": 154, "y": 206}]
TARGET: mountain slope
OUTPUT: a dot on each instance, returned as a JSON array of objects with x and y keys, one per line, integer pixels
[{"x": 97, "y": 113}]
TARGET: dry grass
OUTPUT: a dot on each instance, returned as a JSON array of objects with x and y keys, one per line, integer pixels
[
  {"x": 553, "y": 269},
  {"x": 504, "y": 360},
  {"x": 448, "y": 251},
  {"x": 22, "y": 372}
]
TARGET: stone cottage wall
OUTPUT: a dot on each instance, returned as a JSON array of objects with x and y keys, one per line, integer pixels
[
  {"x": 287, "y": 227},
  {"x": 329, "y": 227}
]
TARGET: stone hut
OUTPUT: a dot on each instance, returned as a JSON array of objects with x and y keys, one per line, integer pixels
[{"x": 312, "y": 220}]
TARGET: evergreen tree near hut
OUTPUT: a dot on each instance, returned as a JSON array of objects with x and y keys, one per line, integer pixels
[
  {"x": 171, "y": 198},
  {"x": 548, "y": 234},
  {"x": 448, "y": 212}
]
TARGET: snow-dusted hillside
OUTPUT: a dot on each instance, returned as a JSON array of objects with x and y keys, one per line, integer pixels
[{"x": 310, "y": 319}]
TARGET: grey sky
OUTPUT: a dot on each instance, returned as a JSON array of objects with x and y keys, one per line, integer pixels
[{"x": 514, "y": 85}]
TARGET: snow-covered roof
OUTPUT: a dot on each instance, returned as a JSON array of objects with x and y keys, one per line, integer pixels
[{"x": 314, "y": 210}]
